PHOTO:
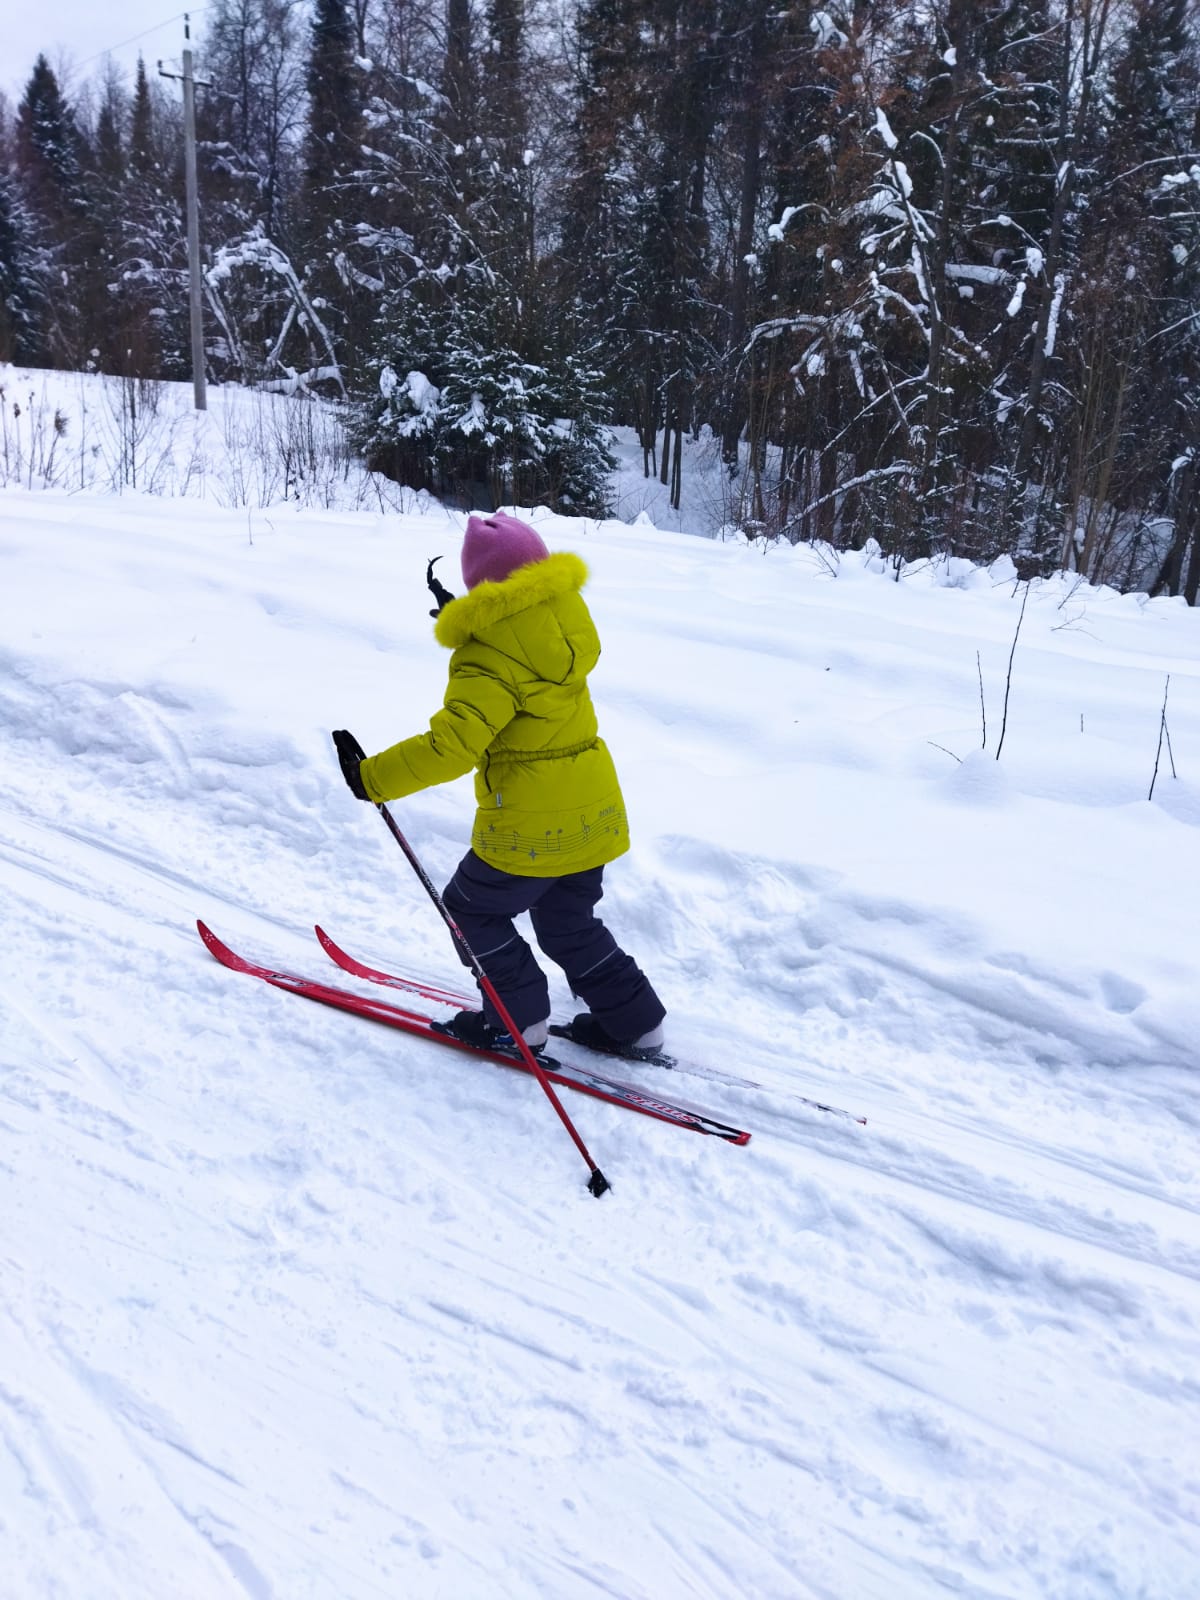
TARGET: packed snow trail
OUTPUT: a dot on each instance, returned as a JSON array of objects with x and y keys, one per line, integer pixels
[{"x": 295, "y": 1307}]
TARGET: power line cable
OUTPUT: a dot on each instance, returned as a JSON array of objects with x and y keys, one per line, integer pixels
[{"x": 165, "y": 23}]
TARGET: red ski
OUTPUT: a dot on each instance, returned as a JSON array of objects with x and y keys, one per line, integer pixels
[
  {"x": 599, "y": 1086},
  {"x": 448, "y": 997},
  {"x": 427, "y": 991}
]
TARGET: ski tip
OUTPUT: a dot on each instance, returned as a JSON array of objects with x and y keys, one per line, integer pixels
[
  {"x": 332, "y": 949},
  {"x": 219, "y": 949},
  {"x": 341, "y": 958}
]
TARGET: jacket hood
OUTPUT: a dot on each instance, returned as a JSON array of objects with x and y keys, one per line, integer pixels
[{"x": 488, "y": 603}]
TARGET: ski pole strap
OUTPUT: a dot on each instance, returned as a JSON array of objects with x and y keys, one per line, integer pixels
[{"x": 438, "y": 590}]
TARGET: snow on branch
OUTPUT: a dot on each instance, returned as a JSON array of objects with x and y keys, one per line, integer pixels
[
  {"x": 827, "y": 34},
  {"x": 994, "y": 277},
  {"x": 258, "y": 251},
  {"x": 1060, "y": 289},
  {"x": 884, "y": 129}
]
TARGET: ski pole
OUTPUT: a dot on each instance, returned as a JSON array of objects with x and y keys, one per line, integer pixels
[{"x": 597, "y": 1183}]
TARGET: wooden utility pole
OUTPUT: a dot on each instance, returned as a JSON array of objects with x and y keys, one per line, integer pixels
[{"x": 196, "y": 304}]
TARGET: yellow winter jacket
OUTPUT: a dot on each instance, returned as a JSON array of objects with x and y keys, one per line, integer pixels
[{"x": 518, "y": 710}]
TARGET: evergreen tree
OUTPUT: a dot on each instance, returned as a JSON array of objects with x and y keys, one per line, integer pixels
[
  {"x": 458, "y": 75},
  {"x": 332, "y": 132},
  {"x": 602, "y": 175},
  {"x": 503, "y": 82},
  {"x": 804, "y": 358},
  {"x": 504, "y": 136},
  {"x": 329, "y": 196},
  {"x": 143, "y": 155},
  {"x": 151, "y": 288},
  {"x": 1146, "y": 276},
  {"x": 977, "y": 138},
  {"x": 1080, "y": 45},
  {"x": 636, "y": 233},
  {"x": 464, "y": 414},
  {"x": 108, "y": 149},
  {"x": 20, "y": 281},
  {"x": 756, "y": 37},
  {"x": 478, "y": 398},
  {"x": 47, "y": 146},
  {"x": 47, "y": 151},
  {"x": 831, "y": 340},
  {"x": 104, "y": 180}
]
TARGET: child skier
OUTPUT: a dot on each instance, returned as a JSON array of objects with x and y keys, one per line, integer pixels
[{"x": 518, "y": 710}]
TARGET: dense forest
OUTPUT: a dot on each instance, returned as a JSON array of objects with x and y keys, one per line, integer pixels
[{"x": 924, "y": 271}]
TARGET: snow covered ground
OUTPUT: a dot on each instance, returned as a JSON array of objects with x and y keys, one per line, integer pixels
[{"x": 294, "y": 1306}]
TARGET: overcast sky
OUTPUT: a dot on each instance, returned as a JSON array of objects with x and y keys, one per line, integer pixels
[{"x": 80, "y": 32}]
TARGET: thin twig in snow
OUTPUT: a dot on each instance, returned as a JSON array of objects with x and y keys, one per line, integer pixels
[
  {"x": 1162, "y": 733},
  {"x": 1008, "y": 679}
]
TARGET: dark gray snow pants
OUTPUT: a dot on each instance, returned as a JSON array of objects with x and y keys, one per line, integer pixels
[{"x": 483, "y": 901}]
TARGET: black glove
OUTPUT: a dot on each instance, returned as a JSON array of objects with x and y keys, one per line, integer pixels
[{"x": 351, "y": 755}]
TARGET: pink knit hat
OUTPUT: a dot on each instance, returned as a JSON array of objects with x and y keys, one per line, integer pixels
[{"x": 496, "y": 546}]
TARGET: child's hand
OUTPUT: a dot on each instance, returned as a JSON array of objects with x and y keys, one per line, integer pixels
[{"x": 351, "y": 755}]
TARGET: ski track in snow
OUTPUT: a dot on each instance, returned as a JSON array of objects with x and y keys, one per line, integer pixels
[{"x": 296, "y": 1307}]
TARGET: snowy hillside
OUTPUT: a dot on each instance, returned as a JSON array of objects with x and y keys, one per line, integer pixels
[
  {"x": 252, "y": 448},
  {"x": 295, "y": 1307}
]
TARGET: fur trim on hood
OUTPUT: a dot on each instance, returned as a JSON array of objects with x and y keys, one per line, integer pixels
[{"x": 489, "y": 603}]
